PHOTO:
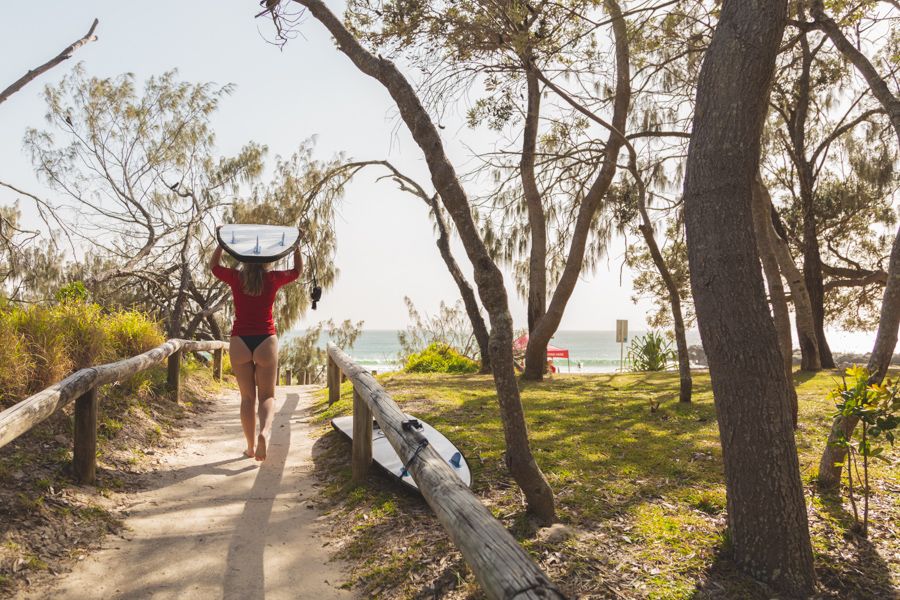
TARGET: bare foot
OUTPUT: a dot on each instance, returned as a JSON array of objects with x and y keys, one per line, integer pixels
[
  {"x": 261, "y": 442},
  {"x": 249, "y": 453}
]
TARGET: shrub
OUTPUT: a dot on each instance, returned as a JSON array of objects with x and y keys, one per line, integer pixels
[
  {"x": 876, "y": 407},
  {"x": 16, "y": 364},
  {"x": 650, "y": 352},
  {"x": 45, "y": 341},
  {"x": 132, "y": 333},
  {"x": 44, "y": 344},
  {"x": 440, "y": 358}
]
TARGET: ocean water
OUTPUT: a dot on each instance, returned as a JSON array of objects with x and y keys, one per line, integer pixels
[{"x": 596, "y": 351}]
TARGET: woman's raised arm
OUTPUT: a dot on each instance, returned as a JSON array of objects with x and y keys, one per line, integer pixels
[{"x": 216, "y": 258}]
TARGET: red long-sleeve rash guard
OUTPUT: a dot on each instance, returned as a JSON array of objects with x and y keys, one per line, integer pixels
[{"x": 253, "y": 314}]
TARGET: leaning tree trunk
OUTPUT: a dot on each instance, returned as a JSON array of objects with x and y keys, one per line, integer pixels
[
  {"x": 886, "y": 339},
  {"x": 762, "y": 227},
  {"x": 885, "y": 342},
  {"x": 803, "y": 316},
  {"x": 767, "y": 516},
  {"x": 482, "y": 337},
  {"x": 646, "y": 229},
  {"x": 488, "y": 278}
]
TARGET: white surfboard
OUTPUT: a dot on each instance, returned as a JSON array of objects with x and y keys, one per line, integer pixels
[
  {"x": 383, "y": 453},
  {"x": 258, "y": 243}
]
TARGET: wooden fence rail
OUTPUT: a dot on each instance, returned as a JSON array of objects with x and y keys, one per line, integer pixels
[
  {"x": 82, "y": 385},
  {"x": 502, "y": 567}
]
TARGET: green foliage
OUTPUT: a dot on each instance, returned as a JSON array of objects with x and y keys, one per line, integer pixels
[
  {"x": 302, "y": 354},
  {"x": 649, "y": 284},
  {"x": 440, "y": 358},
  {"x": 43, "y": 344},
  {"x": 651, "y": 352},
  {"x": 876, "y": 407},
  {"x": 343, "y": 335},
  {"x": 450, "y": 327},
  {"x": 72, "y": 292}
]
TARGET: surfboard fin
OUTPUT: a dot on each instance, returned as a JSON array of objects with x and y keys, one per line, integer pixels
[
  {"x": 455, "y": 460},
  {"x": 257, "y": 249}
]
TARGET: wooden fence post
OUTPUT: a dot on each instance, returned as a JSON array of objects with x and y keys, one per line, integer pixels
[
  {"x": 334, "y": 381},
  {"x": 173, "y": 382},
  {"x": 362, "y": 438},
  {"x": 217, "y": 364},
  {"x": 84, "y": 461}
]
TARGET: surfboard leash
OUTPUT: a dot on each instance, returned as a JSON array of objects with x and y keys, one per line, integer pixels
[
  {"x": 410, "y": 425},
  {"x": 315, "y": 291}
]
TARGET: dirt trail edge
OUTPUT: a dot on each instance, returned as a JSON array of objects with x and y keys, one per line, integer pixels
[{"x": 214, "y": 524}]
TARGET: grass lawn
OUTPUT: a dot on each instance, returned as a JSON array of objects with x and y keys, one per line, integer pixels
[{"x": 641, "y": 489}]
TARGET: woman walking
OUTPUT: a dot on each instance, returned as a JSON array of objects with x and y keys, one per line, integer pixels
[{"x": 254, "y": 345}]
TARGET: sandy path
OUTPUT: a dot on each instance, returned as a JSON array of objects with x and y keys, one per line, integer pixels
[{"x": 216, "y": 525}]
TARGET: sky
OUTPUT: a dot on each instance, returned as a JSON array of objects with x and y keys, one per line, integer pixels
[{"x": 283, "y": 96}]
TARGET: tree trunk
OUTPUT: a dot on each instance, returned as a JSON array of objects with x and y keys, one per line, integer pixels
[
  {"x": 806, "y": 327},
  {"x": 762, "y": 226},
  {"x": 535, "y": 356},
  {"x": 812, "y": 260},
  {"x": 766, "y": 509},
  {"x": 885, "y": 343},
  {"x": 876, "y": 82},
  {"x": 812, "y": 277},
  {"x": 544, "y": 329},
  {"x": 488, "y": 278},
  {"x": 886, "y": 339},
  {"x": 684, "y": 363},
  {"x": 465, "y": 290}
]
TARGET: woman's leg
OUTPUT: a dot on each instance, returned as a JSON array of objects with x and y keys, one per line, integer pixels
[
  {"x": 242, "y": 367},
  {"x": 265, "y": 357}
]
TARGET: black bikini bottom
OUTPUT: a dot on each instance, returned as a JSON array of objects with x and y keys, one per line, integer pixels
[{"x": 253, "y": 341}]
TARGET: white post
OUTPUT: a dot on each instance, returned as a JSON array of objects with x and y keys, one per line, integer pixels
[{"x": 621, "y": 337}]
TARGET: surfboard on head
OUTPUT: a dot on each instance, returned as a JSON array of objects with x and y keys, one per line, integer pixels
[{"x": 258, "y": 243}]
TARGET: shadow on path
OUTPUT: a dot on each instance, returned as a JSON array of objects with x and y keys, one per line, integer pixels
[{"x": 244, "y": 570}]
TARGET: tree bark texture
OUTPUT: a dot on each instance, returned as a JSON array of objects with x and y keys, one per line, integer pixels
[
  {"x": 885, "y": 343},
  {"x": 766, "y": 509},
  {"x": 488, "y": 278},
  {"x": 762, "y": 226}
]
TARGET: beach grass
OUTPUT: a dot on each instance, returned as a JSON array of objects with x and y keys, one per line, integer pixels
[{"x": 637, "y": 477}]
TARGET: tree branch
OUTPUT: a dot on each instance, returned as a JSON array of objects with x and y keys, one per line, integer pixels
[{"x": 36, "y": 72}]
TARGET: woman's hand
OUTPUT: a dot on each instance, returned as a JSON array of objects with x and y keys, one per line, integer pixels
[{"x": 216, "y": 258}]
